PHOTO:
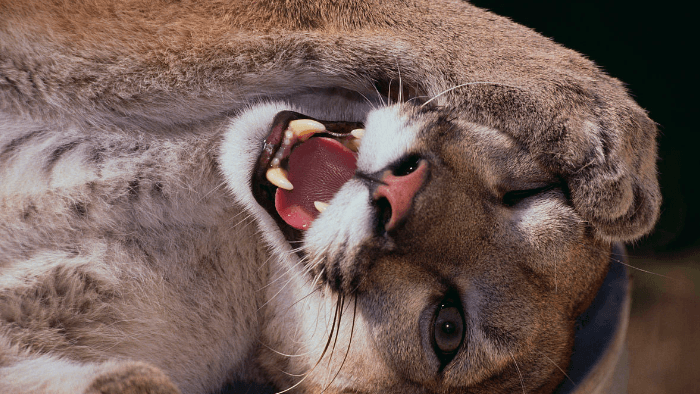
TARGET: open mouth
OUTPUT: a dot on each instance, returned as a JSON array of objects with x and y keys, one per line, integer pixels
[{"x": 303, "y": 164}]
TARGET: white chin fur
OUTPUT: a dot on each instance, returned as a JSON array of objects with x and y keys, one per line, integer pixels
[{"x": 240, "y": 149}]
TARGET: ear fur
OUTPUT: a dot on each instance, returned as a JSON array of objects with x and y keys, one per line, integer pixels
[
  {"x": 590, "y": 133},
  {"x": 603, "y": 145},
  {"x": 618, "y": 193}
]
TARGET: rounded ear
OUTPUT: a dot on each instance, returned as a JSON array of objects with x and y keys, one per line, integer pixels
[{"x": 616, "y": 189}]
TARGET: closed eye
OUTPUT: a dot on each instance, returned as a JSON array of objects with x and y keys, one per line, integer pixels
[{"x": 513, "y": 197}]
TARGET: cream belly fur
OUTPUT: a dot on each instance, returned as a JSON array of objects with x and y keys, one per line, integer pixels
[{"x": 144, "y": 247}]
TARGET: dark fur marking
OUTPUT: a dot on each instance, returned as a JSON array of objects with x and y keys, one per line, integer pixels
[
  {"x": 136, "y": 245},
  {"x": 138, "y": 147},
  {"x": 97, "y": 155},
  {"x": 445, "y": 127},
  {"x": 133, "y": 190},
  {"x": 92, "y": 187},
  {"x": 57, "y": 302},
  {"x": 73, "y": 251},
  {"x": 335, "y": 278},
  {"x": 79, "y": 209},
  {"x": 57, "y": 153},
  {"x": 157, "y": 190},
  {"x": 17, "y": 142},
  {"x": 28, "y": 212}
]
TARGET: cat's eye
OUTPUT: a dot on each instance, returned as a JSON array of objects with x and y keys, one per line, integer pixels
[
  {"x": 513, "y": 197},
  {"x": 406, "y": 166},
  {"x": 448, "y": 329}
]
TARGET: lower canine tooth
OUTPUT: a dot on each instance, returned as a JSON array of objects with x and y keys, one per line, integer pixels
[
  {"x": 305, "y": 127},
  {"x": 320, "y": 206},
  {"x": 278, "y": 177},
  {"x": 353, "y": 145}
]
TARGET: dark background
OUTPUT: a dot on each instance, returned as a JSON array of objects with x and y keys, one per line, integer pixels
[{"x": 653, "y": 49}]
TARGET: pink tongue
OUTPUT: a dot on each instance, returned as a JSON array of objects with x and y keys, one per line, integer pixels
[{"x": 317, "y": 169}]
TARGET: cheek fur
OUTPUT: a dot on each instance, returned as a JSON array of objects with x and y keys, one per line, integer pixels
[
  {"x": 547, "y": 230},
  {"x": 544, "y": 223}
]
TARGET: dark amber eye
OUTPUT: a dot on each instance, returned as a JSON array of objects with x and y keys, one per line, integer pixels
[
  {"x": 448, "y": 330},
  {"x": 406, "y": 166}
]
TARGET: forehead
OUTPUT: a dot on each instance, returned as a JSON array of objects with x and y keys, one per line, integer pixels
[
  {"x": 497, "y": 158},
  {"x": 391, "y": 133}
]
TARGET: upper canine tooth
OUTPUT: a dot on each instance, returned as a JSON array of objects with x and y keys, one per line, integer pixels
[
  {"x": 320, "y": 206},
  {"x": 278, "y": 177},
  {"x": 358, "y": 133},
  {"x": 305, "y": 127}
]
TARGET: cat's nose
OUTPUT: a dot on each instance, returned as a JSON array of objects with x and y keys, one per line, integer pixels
[{"x": 398, "y": 187}]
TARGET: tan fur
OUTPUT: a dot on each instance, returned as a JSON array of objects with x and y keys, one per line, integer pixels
[{"x": 133, "y": 259}]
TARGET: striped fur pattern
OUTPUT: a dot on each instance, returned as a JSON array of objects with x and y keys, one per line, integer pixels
[{"x": 113, "y": 245}]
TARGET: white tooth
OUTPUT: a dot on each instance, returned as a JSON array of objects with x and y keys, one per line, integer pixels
[
  {"x": 358, "y": 133},
  {"x": 320, "y": 206},
  {"x": 278, "y": 177},
  {"x": 305, "y": 127}
]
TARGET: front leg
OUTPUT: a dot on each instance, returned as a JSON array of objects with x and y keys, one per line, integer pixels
[
  {"x": 29, "y": 374},
  {"x": 131, "y": 378},
  {"x": 121, "y": 247}
]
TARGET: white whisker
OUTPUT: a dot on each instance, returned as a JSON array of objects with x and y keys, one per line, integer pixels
[
  {"x": 522, "y": 383},
  {"x": 286, "y": 275},
  {"x": 388, "y": 93},
  {"x": 466, "y": 84},
  {"x": 282, "y": 354},
  {"x": 398, "y": 69},
  {"x": 615, "y": 259},
  {"x": 558, "y": 367},
  {"x": 242, "y": 220},
  {"x": 264, "y": 263},
  {"x": 372, "y": 104},
  {"x": 217, "y": 187},
  {"x": 296, "y": 384},
  {"x": 381, "y": 99}
]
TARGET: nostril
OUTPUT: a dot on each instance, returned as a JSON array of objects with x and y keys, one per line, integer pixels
[{"x": 383, "y": 208}]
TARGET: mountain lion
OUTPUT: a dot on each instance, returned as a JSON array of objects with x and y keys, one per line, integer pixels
[{"x": 320, "y": 196}]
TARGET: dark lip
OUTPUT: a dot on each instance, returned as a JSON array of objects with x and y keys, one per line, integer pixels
[{"x": 263, "y": 190}]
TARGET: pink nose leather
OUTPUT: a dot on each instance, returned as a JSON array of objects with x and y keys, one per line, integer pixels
[{"x": 399, "y": 191}]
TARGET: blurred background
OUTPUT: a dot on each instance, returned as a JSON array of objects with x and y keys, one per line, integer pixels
[{"x": 651, "y": 48}]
